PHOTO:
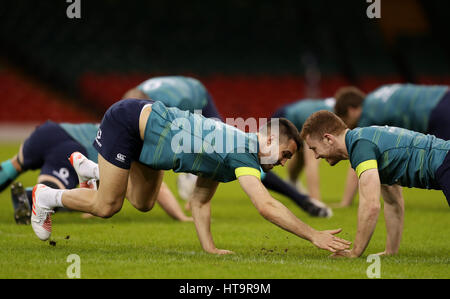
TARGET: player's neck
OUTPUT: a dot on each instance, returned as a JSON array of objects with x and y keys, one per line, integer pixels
[{"x": 343, "y": 144}]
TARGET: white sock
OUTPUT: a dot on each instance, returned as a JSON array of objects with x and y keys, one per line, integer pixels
[
  {"x": 96, "y": 172},
  {"x": 58, "y": 199},
  {"x": 51, "y": 198},
  {"x": 89, "y": 169}
]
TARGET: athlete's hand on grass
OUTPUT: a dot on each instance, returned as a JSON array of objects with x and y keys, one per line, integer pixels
[
  {"x": 327, "y": 240},
  {"x": 343, "y": 253}
]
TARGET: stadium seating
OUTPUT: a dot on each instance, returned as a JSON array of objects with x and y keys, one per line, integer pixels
[
  {"x": 24, "y": 101},
  {"x": 251, "y": 58},
  {"x": 244, "y": 96}
]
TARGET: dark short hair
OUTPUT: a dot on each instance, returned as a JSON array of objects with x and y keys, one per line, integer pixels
[
  {"x": 322, "y": 122},
  {"x": 287, "y": 129},
  {"x": 346, "y": 97}
]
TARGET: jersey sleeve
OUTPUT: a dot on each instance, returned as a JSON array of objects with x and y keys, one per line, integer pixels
[
  {"x": 240, "y": 171},
  {"x": 364, "y": 156},
  {"x": 244, "y": 164}
]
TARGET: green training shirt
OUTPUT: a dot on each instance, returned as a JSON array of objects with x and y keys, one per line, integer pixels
[
  {"x": 401, "y": 156},
  {"x": 176, "y": 91},
  {"x": 186, "y": 142},
  {"x": 299, "y": 111},
  {"x": 401, "y": 105},
  {"x": 84, "y": 134}
]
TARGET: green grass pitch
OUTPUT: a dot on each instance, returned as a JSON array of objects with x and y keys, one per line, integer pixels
[{"x": 132, "y": 244}]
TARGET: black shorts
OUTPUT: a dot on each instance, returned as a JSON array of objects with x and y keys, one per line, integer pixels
[
  {"x": 210, "y": 110},
  {"x": 48, "y": 148},
  {"x": 279, "y": 113},
  {"x": 439, "y": 122},
  {"x": 118, "y": 140},
  {"x": 443, "y": 177}
]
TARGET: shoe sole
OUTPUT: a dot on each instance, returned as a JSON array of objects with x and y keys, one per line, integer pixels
[
  {"x": 22, "y": 209},
  {"x": 22, "y": 214}
]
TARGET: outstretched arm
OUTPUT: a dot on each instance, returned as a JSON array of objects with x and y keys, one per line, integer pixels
[
  {"x": 393, "y": 214},
  {"x": 281, "y": 216},
  {"x": 201, "y": 211},
  {"x": 368, "y": 211},
  {"x": 170, "y": 205}
]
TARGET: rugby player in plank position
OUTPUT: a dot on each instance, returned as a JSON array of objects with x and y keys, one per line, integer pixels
[
  {"x": 139, "y": 139},
  {"x": 384, "y": 158},
  {"x": 420, "y": 108},
  {"x": 190, "y": 94}
]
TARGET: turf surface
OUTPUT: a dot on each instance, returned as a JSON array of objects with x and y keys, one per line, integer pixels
[{"x": 152, "y": 245}]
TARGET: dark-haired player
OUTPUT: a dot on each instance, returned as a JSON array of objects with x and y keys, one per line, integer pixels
[
  {"x": 139, "y": 139},
  {"x": 187, "y": 93},
  {"x": 420, "y": 108},
  {"x": 297, "y": 113}
]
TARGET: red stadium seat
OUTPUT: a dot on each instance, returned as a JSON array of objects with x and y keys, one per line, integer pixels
[
  {"x": 26, "y": 101},
  {"x": 370, "y": 83},
  {"x": 235, "y": 96}
]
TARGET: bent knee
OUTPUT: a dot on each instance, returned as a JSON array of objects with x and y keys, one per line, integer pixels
[
  {"x": 145, "y": 207},
  {"x": 107, "y": 211}
]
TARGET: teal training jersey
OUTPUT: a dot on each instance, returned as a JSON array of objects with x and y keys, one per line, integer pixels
[
  {"x": 401, "y": 105},
  {"x": 299, "y": 111},
  {"x": 176, "y": 91},
  {"x": 85, "y": 135},
  {"x": 402, "y": 156},
  {"x": 186, "y": 142}
]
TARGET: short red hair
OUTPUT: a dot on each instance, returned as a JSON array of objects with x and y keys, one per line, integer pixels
[{"x": 322, "y": 122}]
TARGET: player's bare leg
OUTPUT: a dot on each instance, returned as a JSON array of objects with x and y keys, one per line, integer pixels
[
  {"x": 311, "y": 165},
  {"x": 295, "y": 166},
  {"x": 104, "y": 202},
  {"x": 169, "y": 204},
  {"x": 107, "y": 200},
  {"x": 88, "y": 170},
  {"x": 143, "y": 186}
]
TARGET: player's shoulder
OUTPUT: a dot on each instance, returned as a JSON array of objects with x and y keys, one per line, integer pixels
[
  {"x": 359, "y": 134},
  {"x": 361, "y": 146},
  {"x": 162, "y": 81},
  {"x": 244, "y": 150},
  {"x": 308, "y": 106}
]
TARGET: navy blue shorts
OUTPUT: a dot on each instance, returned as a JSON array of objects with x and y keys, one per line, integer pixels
[
  {"x": 210, "y": 110},
  {"x": 118, "y": 140},
  {"x": 280, "y": 113},
  {"x": 439, "y": 123},
  {"x": 443, "y": 177},
  {"x": 48, "y": 148}
]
